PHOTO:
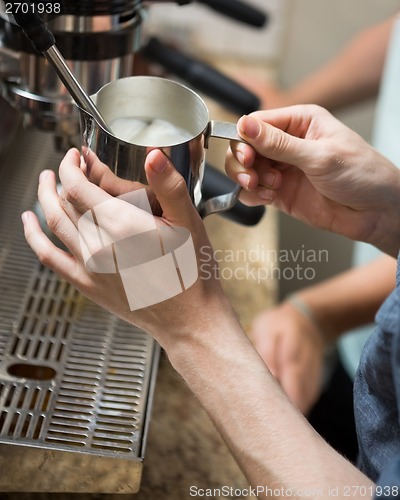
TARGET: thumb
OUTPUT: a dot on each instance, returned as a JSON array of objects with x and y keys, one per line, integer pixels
[
  {"x": 170, "y": 189},
  {"x": 273, "y": 143}
]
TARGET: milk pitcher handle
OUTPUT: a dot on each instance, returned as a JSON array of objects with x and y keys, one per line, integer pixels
[{"x": 223, "y": 202}]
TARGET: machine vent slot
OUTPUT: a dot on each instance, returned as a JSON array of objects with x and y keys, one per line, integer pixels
[{"x": 44, "y": 325}]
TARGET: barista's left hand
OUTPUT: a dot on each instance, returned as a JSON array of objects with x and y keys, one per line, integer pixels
[{"x": 167, "y": 320}]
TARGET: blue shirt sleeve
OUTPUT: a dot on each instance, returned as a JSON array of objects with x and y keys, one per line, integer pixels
[{"x": 388, "y": 484}]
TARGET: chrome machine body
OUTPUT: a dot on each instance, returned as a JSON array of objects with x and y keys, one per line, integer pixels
[{"x": 98, "y": 41}]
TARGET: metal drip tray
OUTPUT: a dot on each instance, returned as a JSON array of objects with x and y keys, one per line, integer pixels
[{"x": 76, "y": 383}]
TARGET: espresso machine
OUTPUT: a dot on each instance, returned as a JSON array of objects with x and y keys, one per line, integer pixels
[{"x": 76, "y": 383}]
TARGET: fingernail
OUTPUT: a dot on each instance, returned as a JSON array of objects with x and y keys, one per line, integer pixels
[
  {"x": 266, "y": 194},
  {"x": 250, "y": 127},
  {"x": 43, "y": 175},
  {"x": 244, "y": 180},
  {"x": 240, "y": 157},
  {"x": 159, "y": 163},
  {"x": 24, "y": 217},
  {"x": 269, "y": 179}
]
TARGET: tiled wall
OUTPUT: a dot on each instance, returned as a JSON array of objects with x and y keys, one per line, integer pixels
[{"x": 200, "y": 29}]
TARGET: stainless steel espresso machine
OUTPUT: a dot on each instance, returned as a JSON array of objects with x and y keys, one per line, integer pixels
[{"x": 76, "y": 383}]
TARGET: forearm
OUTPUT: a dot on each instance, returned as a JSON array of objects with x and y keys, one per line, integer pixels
[
  {"x": 352, "y": 298},
  {"x": 351, "y": 76},
  {"x": 265, "y": 433}
]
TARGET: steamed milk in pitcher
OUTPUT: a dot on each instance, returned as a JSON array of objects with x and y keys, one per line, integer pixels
[{"x": 149, "y": 132}]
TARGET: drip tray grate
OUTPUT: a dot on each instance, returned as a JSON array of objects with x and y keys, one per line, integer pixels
[{"x": 76, "y": 383}]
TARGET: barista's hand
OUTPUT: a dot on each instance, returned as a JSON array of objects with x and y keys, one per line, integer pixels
[
  {"x": 325, "y": 174},
  {"x": 292, "y": 348},
  {"x": 166, "y": 320}
]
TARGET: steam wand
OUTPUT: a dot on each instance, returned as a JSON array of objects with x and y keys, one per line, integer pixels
[{"x": 43, "y": 41}]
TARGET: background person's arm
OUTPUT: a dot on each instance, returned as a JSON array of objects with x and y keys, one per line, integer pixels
[
  {"x": 352, "y": 298},
  {"x": 291, "y": 340},
  {"x": 351, "y": 76}
]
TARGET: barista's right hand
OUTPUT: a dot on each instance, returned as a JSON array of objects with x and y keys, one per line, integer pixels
[
  {"x": 292, "y": 347},
  {"x": 325, "y": 174}
]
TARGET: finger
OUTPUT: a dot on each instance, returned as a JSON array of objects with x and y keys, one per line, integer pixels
[
  {"x": 259, "y": 196},
  {"x": 57, "y": 220},
  {"x": 295, "y": 120},
  {"x": 103, "y": 215},
  {"x": 77, "y": 189},
  {"x": 104, "y": 177},
  {"x": 268, "y": 176},
  {"x": 48, "y": 254},
  {"x": 244, "y": 153},
  {"x": 263, "y": 172},
  {"x": 272, "y": 142},
  {"x": 170, "y": 189},
  {"x": 101, "y": 219},
  {"x": 246, "y": 177},
  {"x": 269, "y": 181},
  {"x": 63, "y": 219},
  {"x": 73, "y": 214}
]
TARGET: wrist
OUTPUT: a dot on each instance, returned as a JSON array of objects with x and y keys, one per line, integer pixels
[
  {"x": 210, "y": 350},
  {"x": 385, "y": 233},
  {"x": 199, "y": 329}
]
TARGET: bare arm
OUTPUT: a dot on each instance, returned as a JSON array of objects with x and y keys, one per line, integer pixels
[
  {"x": 352, "y": 298},
  {"x": 353, "y": 75},
  {"x": 261, "y": 427},
  {"x": 290, "y": 338}
]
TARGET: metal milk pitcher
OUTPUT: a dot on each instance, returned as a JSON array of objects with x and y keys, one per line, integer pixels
[{"x": 164, "y": 115}]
